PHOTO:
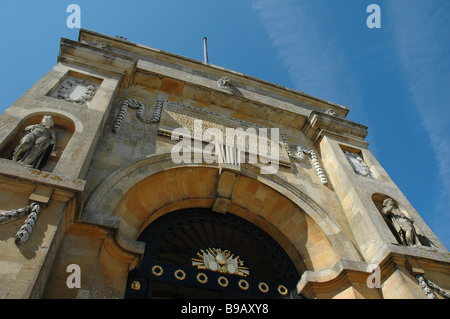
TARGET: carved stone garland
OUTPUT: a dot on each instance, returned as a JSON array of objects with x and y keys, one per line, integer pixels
[
  {"x": 135, "y": 104},
  {"x": 305, "y": 149},
  {"x": 286, "y": 145},
  {"x": 358, "y": 164},
  {"x": 426, "y": 285},
  {"x": 25, "y": 231},
  {"x": 300, "y": 156}
]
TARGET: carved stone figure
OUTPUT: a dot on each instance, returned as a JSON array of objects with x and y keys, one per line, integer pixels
[
  {"x": 104, "y": 45},
  {"x": 224, "y": 83},
  {"x": 403, "y": 225},
  {"x": 331, "y": 112},
  {"x": 37, "y": 145}
]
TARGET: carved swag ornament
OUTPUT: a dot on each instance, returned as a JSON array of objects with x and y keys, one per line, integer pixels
[
  {"x": 25, "y": 231},
  {"x": 301, "y": 150},
  {"x": 135, "y": 104}
]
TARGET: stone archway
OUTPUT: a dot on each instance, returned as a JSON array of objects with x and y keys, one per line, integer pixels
[{"x": 135, "y": 196}]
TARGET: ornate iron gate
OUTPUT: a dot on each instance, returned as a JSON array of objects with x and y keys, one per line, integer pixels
[{"x": 199, "y": 253}]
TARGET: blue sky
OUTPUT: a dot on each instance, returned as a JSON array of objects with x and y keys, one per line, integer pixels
[{"x": 394, "y": 79}]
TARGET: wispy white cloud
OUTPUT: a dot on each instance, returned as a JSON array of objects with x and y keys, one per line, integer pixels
[
  {"x": 317, "y": 65},
  {"x": 314, "y": 60},
  {"x": 422, "y": 36}
]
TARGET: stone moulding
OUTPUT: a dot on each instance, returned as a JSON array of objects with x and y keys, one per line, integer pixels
[
  {"x": 390, "y": 257},
  {"x": 324, "y": 124},
  {"x": 89, "y": 56},
  {"x": 135, "y": 104},
  {"x": 331, "y": 279}
]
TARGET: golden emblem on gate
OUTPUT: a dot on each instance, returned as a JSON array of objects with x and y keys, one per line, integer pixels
[{"x": 222, "y": 261}]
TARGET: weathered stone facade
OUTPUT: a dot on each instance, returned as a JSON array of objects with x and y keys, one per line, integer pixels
[{"x": 110, "y": 176}]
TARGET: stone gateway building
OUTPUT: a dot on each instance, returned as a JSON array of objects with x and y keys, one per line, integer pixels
[{"x": 129, "y": 172}]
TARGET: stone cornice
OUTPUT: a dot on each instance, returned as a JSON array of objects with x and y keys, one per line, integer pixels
[
  {"x": 42, "y": 187},
  {"x": 321, "y": 124},
  {"x": 98, "y": 59},
  {"x": 346, "y": 272},
  {"x": 208, "y": 71},
  {"x": 22, "y": 173}
]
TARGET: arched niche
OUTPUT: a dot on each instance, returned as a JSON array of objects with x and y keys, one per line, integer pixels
[
  {"x": 421, "y": 240},
  {"x": 63, "y": 127},
  {"x": 378, "y": 200}
]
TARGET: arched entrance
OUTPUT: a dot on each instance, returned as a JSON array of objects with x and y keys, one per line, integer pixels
[
  {"x": 198, "y": 253},
  {"x": 136, "y": 196}
]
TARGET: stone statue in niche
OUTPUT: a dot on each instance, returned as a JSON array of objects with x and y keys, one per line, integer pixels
[
  {"x": 403, "y": 224},
  {"x": 37, "y": 145},
  {"x": 358, "y": 164}
]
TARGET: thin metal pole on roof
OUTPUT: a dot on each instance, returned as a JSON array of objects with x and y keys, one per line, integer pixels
[{"x": 205, "y": 50}]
